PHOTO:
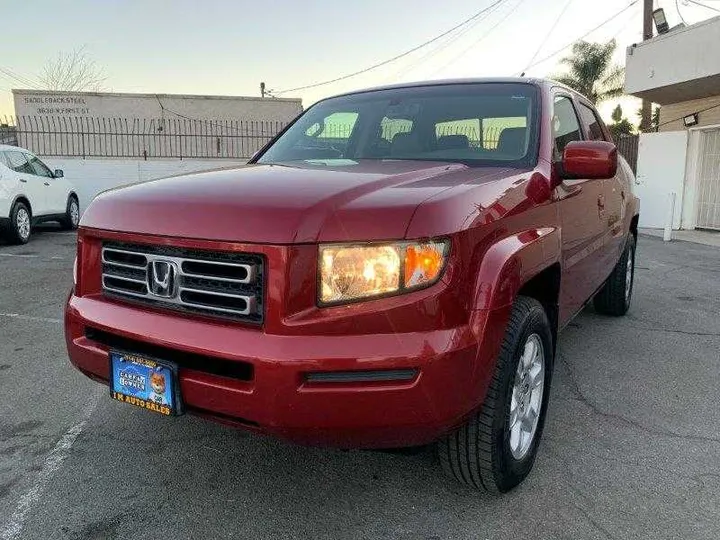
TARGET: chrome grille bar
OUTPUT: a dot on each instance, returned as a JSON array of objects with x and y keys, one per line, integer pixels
[{"x": 199, "y": 281}]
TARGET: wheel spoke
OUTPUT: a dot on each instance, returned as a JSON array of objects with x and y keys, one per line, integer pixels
[
  {"x": 527, "y": 397},
  {"x": 529, "y": 353},
  {"x": 515, "y": 438},
  {"x": 528, "y": 421},
  {"x": 536, "y": 375}
]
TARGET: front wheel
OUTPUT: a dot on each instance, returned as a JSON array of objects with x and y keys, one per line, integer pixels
[{"x": 495, "y": 450}]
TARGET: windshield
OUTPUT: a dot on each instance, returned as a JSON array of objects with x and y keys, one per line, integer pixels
[{"x": 477, "y": 124}]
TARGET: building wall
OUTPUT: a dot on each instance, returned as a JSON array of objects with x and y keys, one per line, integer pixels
[
  {"x": 670, "y": 113},
  {"x": 102, "y": 104},
  {"x": 682, "y": 64},
  {"x": 93, "y": 176}
]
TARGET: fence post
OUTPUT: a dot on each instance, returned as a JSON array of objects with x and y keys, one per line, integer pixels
[
  {"x": 82, "y": 139},
  {"x": 670, "y": 217}
]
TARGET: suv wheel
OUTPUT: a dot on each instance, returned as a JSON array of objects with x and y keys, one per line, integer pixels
[
  {"x": 495, "y": 450},
  {"x": 615, "y": 296},
  {"x": 20, "y": 224},
  {"x": 72, "y": 214}
]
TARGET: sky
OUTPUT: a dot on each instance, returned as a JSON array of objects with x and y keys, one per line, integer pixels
[{"x": 227, "y": 47}]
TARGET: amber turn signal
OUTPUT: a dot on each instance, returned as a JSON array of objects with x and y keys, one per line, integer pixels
[{"x": 423, "y": 263}]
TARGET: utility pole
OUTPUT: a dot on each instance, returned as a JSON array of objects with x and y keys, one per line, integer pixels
[
  {"x": 645, "y": 120},
  {"x": 262, "y": 89}
]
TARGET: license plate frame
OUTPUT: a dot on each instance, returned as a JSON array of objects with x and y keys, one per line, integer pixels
[{"x": 130, "y": 382}]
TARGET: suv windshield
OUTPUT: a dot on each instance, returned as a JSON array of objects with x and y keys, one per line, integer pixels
[{"x": 472, "y": 123}]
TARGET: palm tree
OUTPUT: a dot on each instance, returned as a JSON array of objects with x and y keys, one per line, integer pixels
[{"x": 591, "y": 71}]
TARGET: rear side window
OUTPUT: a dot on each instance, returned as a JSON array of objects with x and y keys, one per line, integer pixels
[
  {"x": 17, "y": 162},
  {"x": 566, "y": 127},
  {"x": 3, "y": 159},
  {"x": 493, "y": 129},
  {"x": 331, "y": 133},
  {"x": 591, "y": 123},
  {"x": 463, "y": 133},
  {"x": 389, "y": 127}
]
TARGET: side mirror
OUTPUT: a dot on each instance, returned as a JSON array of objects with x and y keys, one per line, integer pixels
[
  {"x": 58, "y": 173},
  {"x": 589, "y": 159}
]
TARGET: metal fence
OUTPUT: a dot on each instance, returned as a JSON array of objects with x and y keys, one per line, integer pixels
[
  {"x": 64, "y": 136},
  {"x": 138, "y": 138},
  {"x": 628, "y": 148}
]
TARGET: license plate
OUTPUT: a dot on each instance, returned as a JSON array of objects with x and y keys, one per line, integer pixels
[{"x": 145, "y": 382}]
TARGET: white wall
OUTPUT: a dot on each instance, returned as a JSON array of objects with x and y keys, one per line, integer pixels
[
  {"x": 106, "y": 104},
  {"x": 669, "y": 60},
  {"x": 661, "y": 169},
  {"x": 93, "y": 176}
]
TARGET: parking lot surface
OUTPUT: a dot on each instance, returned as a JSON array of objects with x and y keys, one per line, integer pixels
[{"x": 631, "y": 446}]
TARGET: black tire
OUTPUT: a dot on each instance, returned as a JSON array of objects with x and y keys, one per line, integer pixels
[
  {"x": 479, "y": 453},
  {"x": 70, "y": 223},
  {"x": 17, "y": 232},
  {"x": 616, "y": 294}
]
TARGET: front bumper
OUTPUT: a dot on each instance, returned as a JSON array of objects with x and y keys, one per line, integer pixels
[{"x": 444, "y": 373}]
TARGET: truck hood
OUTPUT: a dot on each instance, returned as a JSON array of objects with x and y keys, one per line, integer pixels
[{"x": 284, "y": 204}]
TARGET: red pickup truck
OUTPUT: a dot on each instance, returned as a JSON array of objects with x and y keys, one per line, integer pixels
[{"x": 391, "y": 270}]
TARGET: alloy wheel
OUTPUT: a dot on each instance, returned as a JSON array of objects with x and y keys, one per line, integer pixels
[
  {"x": 22, "y": 222},
  {"x": 629, "y": 275},
  {"x": 527, "y": 397},
  {"x": 74, "y": 213}
]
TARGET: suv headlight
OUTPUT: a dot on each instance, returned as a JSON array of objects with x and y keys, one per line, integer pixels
[{"x": 353, "y": 272}]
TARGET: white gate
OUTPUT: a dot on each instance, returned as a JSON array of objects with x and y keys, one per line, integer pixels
[
  {"x": 708, "y": 180},
  {"x": 660, "y": 171}
]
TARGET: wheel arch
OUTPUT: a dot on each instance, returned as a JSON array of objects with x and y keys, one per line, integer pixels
[
  {"x": 526, "y": 263},
  {"x": 23, "y": 199},
  {"x": 519, "y": 262}
]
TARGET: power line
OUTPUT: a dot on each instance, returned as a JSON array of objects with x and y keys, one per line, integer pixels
[
  {"x": 625, "y": 25},
  {"x": 447, "y": 43},
  {"x": 704, "y": 5},
  {"x": 18, "y": 78},
  {"x": 385, "y": 62},
  {"x": 549, "y": 56},
  {"x": 677, "y": 8},
  {"x": 681, "y": 117},
  {"x": 547, "y": 36},
  {"x": 479, "y": 40}
]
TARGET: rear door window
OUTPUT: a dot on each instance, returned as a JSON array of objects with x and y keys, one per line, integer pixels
[{"x": 592, "y": 124}]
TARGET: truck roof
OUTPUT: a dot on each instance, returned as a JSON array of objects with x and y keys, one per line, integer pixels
[{"x": 535, "y": 81}]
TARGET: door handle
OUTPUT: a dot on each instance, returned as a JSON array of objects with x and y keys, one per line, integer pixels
[
  {"x": 23, "y": 181},
  {"x": 47, "y": 183}
]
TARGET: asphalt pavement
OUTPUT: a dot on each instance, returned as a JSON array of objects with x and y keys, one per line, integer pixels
[{"x": 631, "y": 446}]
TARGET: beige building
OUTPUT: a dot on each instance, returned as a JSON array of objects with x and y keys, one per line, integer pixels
[
  {"x": 680, "y": 70},
  {"x": 42, "y": 103},
  {"x": 101, "y": 124}
]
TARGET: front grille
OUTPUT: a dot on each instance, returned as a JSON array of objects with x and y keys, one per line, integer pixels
[{"x": 214, "y": 283}]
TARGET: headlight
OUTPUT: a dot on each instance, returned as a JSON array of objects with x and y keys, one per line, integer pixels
[{"x": 352, "y": 272}]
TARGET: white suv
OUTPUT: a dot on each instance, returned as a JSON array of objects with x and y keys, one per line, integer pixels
[{"x": 31, "y": 193}]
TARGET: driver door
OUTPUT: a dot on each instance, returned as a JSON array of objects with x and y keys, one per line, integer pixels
[
  {"x": 582, "y": 216},
  {"x": 55, "y": 188}
]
